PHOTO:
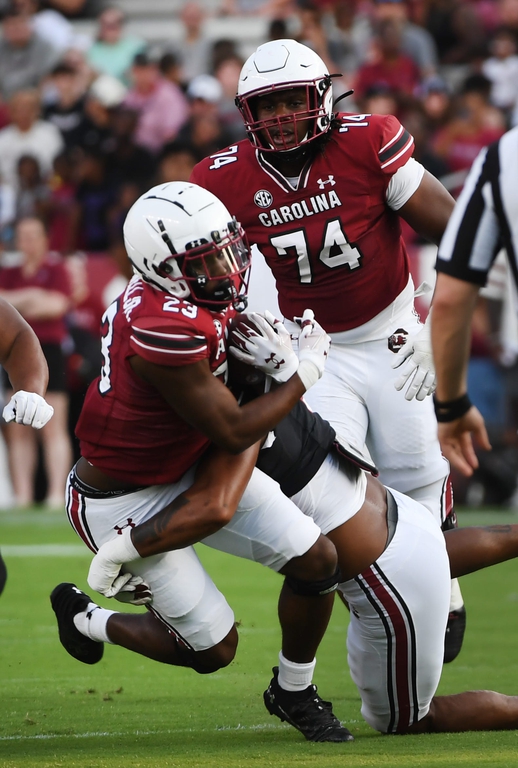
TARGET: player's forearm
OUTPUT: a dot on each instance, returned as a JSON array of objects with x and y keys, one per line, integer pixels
[
  {"x": 25, "y": 363},
  {"x": 251, "y": 422},
  {"x": 208, "y": 505},
  {"x": 453, "y": 305}
]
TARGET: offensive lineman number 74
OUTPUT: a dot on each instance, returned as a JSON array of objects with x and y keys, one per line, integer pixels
[{"x": 336, "y": 250}]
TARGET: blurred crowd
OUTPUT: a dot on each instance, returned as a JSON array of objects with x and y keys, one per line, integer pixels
[{"x": 87, "y": 123}]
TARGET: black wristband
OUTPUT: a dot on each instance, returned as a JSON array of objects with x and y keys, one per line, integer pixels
[{"x": 449, "y": 410}]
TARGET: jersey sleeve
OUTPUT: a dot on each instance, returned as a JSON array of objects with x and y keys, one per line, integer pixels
[
  {"x": 396, "y": 144},
  {"x": 156, "y": 340}
]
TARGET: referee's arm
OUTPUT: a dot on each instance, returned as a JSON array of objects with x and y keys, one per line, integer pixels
[{"x": 466, "y": 252}]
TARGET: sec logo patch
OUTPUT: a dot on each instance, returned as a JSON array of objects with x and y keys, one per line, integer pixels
[{"x": 263, "y": 198}]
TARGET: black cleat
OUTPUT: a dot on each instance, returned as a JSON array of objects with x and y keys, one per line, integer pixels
[
  {"x": 67, "y": 601},
  {"x": 306, "y": 711},
  {"x": 454, "y": 637}
]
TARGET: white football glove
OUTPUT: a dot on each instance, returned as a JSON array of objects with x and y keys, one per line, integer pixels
[
  {"x": 28, "y": 408},
  {"x": 105, "y": 571},
  {"x": 313, "y": 349},
  {"x": 417, "y": 367},
  {"x": 264, "y": 342}
]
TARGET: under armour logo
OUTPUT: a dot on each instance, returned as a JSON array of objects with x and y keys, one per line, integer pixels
[
  {"x": 322, "y": 182},
  {"x": 129, "y": 524},
  {"x": 276, "y": 363}
]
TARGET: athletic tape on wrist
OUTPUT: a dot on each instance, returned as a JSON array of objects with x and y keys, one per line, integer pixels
[{"x": 308, "y": 373}]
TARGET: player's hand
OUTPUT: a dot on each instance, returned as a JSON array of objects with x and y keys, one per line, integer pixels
[
  {"x": 457, "y": 439},
  {"x": 262, "y": 341},
  {"x": 106, "y": 575},
  {"x": 416, "y": 363},
  {"x": 314, "y": 346},
  {"x": 28, "y": 408}
]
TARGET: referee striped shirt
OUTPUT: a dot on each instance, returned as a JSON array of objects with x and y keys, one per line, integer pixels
[{"x": 485, "y": 217}]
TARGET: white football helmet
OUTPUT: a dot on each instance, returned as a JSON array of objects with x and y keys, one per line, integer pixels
[
  {"x": 283, "y": 65},
  {"x": 181, "y": 239}
]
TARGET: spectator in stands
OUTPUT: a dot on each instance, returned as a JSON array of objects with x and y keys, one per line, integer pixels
[
  {"x": 416, "y": 41},
  {"x": 457, "y": 31},
  {"x": 391, "y": 67},
  {"x": 66, "y": 110},
  {"x": 113, "y": 51},
  {"x": 311, "y": 31},
  {"x": 436, "y": 99},
  {"x": 33, "y": 193},
  {"x": 161, "y": 105},
  {"x": 105, "y": 94},
  {"x": 61, "y": 204},
  {"x": 27, "y": 135},
  {"x": 127, "y": 162},
  {"x": 78, "y": 9},
  {"x": 25, "y": 58},
  {"x": 501, "y": 68},
  {"x": 176, "y": 162},
  {"x": 475, "y": 124},
  {"x": 348, "y": 37},
  {"x": 227, "y": 73},
  {"x": 170, "y": 67},
  {"x": 274, "y": 9},
  {"x": 379, "y": 99},
  {"x": 508, "y": 14},
  {"x": 7, "y": 214},
  {"x": 95, "y": 196},
  {"x": 194, "y": 48},
  {"x": 50, "y": 25},
  {"x": 39, "y": 289},
  {"x": 416, "y": 123},
  {"x": 204, "y": 130}
]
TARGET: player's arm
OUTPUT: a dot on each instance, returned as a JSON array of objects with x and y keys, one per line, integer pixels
[
  {"x": 429, "y": 208},
  {"x": 205, "y": 402},
  {"x": 453, "y": 306},
  {"x": 25, "y": 364},
  {"x": 208, "y": 505}
]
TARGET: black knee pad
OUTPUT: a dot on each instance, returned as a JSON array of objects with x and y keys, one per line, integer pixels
[{"x": 314, "y": 588}]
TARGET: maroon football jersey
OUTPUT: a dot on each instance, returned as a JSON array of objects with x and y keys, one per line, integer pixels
[
  {"x": 126, "y": 428},
  {"x": 333, "y": 244}
]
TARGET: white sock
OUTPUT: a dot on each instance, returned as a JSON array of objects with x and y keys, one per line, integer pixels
[
  {"x": 456, "y": 599},
  {"x": 293, "y": 676},
  {"x": 92, "y": 622}
]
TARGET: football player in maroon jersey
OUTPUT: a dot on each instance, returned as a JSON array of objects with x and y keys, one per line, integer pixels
[
  {"x": 395, "y": 564},
  {"x": 22, "y": 358},
  {"x": 321, "y": 193},
  {"x": 144, "y": 430}
]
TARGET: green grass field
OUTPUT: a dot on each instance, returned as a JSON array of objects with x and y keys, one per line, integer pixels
[{"x": 130, "y": 712}]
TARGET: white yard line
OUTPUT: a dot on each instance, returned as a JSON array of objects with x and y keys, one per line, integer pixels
[{"x": 45, "y": 550}]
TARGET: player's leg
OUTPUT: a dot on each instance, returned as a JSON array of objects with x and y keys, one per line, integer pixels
[
  {"x": 399, "y": 609},
  {"x": 191, "y": 623},
  {"x": 203, "y": 637},
  {"x": 268, "y": 528},
  {"x": 402, "y": 438},
  {"x": 470, "y": 549}
]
